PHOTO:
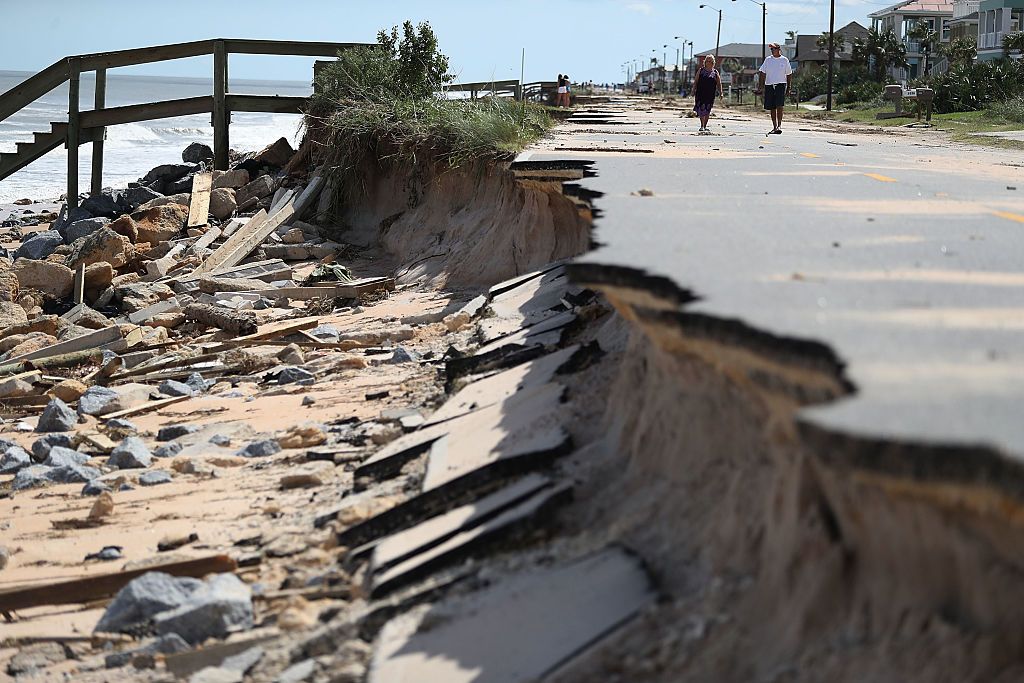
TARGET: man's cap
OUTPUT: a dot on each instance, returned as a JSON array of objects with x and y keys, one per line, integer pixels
[{"x": 774, "y": 46}]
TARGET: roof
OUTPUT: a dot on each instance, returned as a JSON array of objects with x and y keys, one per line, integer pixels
[
  {"x": 916, "y": 7},
  {"x": 740, "y": 50},
  {"x": 807, "y": 45}
]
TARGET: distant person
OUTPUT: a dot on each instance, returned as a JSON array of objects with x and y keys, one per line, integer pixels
[
  {"x": 568, "y": 91},
  {"x": 561, "y": 91},
  {"x": 708, "y": 85},
  {"x": 774, "y": 79}
]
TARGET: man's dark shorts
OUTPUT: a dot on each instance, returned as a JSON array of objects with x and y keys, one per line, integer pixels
[{"x": 774, "y": 96}]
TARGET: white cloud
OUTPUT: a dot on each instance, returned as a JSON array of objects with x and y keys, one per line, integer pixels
[{"x": 641, "y": 7}]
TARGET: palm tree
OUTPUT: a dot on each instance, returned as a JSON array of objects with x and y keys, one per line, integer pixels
[
  {"x": 822, "y": 43},
  {"x": 860, "y": 52},
  {"x": 924, "y": 34},
  {"x": 893, "y": 53},
  {"x": 1013, "y": 41},
  {"x": 960, "y": 50}
]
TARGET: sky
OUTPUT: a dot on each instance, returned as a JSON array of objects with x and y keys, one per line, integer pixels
[{"x": 588, "y": 39}]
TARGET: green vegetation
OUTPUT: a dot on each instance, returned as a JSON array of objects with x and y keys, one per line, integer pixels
[{"x": 386, "y": 106}]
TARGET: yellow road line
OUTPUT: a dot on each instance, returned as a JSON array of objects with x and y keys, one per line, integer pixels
[
  {"x": 809, "y": 155},
  {"x": 1010, "y": 216},
  {"x": 881, "y": 178}
]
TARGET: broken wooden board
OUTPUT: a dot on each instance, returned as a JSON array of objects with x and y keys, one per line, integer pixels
[
  {"x": 426, "y": 550},
  {"x": 499, "y": 386},
  {"x": 160, "y": 307},
  {"x": 205, "y": 241},
  {"x": 349, "y": 290},
  {"x": 519, "y": 629},
  {"x": 92, "y": 340},
  {"x": 224, "y": 256},
  {"x": 102, "y": 586},
  {"x": 199, "y": 207},
  {"x": 145, "y": 407}
]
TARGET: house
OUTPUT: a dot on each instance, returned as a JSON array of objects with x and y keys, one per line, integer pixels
[
  {"x": 965, "y": 20},
  {"x": 997, "y": 18},
  {"x": 662, "y": 78},
  {"x": 740, "y": 61},
  {"x": 901, "y": 19},
  {"x": 808, "y": 57}
]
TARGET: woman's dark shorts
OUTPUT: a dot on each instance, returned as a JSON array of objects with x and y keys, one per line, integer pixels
[{"x": 775, "y": 96}]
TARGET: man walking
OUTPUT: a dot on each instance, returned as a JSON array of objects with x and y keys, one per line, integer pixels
[{"x": 774, "y": 78}]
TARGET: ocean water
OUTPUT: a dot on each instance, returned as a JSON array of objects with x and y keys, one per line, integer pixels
[{"x": 132, "y": 149}]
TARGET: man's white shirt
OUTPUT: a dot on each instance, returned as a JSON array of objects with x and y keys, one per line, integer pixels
[{"x": 775, "y": 70}]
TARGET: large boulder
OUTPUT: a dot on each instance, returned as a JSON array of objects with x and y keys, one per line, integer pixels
[
  {"x": 9, "y": 285},
  {"x": 126, "y": 227},
  {"x": 103, "y": 245},
  {"x": 83, "y": 228},
  {"x": 130, "y": 454},
  {"x": 160, "y": 223},
  {"x": 234, "y": 179},
  {"x": 183, "y": 199},
  {"x": 50, "y": 278},
  {"x": 143, "y": 598},
  {"x": 103, "y": 204},
  {"x": 221, "y": 606},
  {"x": 276, "y": 154},
  {"x": 11, "y": 314},
  {"x": 39, "y": 245},
  {"x": 222, "y": 203},
  {"x": 57, "y": 417},
  {"x": 259, "y": 188},
  {"x": 196, "y": 152},
  {"x": 180, "y": 185},
  {"x": 66, "y": 217},
  {"x": 135, "y": 196},
  {"x": 97, "y": 400},
  {"x": 166, "y": 173},
  {"x": 134, "y": 297},
  {"x": 98, "y": 275}
]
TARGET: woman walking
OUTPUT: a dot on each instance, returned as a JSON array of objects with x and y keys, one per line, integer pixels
[{"x": 708, "y": 85}]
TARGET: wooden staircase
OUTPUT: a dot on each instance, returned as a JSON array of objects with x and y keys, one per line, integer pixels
[{"x": 11, "y": 162}]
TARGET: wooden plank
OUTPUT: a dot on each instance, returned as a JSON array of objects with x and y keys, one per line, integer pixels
[
  {"x": 32, "y": 88},
  {"x": 270, "y": 104},
  {"x": 290, "y": 47},
  {"x": 271, "y": 330},
  {"x": 336, "y": 291},
  {"x": 221, "y": 113},
  {"x": 145, "y": 407},
  {"x": 223, "y": 257},
  {"x": 145, "y": 55},
  {"x": 102, "y": 586},
  {"x": 99, "y": 102},
  {"x": 252, "y": 237},
  {"x": 132, "y": 113},
  {"x": 87, "y": 341},
  {"x": 208, "y": 238},
  {"x": 199, "y": 208}
]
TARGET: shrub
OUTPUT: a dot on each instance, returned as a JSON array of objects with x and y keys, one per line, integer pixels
[
  {"x": 1009, "y": 110},
  {"x": 868, "y": 92},
  {"x": 971, "y": 87}
]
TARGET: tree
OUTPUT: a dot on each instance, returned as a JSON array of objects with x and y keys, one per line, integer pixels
[
  {"x": 882, "y": 51},
  {"x": 1013, "y": 41},
  {"x": 959, "y": 51},
  {"x": 421, "y": 67},
  {"x": 791, "y": 35},
  {"x": 837, "y": 44},
  {"x": 924, "y": 34}
]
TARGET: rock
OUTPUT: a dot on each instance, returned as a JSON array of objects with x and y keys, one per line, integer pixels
[
  {"x": 135, "y": 196},
  {"x": 30, "y": 343},
  {"x": 167, "y": 172},
  {"x": 72, "y": 474},
  {"x": 183, "y": 199},
  {"x": 155, "y": 478},
  {"x": 5, "y": 557},
  {"x": 222, "y": 203},
  {"x": 294, "y": 236},
  {"x": 328, "y": 333},
  {"x": 258, "y": 188},
  {"x": 197, "y": 384},
  {"x": 92, "y": 319},
  {"x": 219, "y": 607},
  {"x": 42, "y": 446},
  {"x": 9, "y": 286},
  {"x": 83, "y": 228},
  {"x": 107, "y": 553},
  {"x": 172, "y": 432},
  {"x": 95, "y": 487},
  {"x": 31, "y": 477},
  {"x": 121, "y": 425},
  {"x": 303, "y": 480},
  {"x": 97, "y": 400},
  {"x": 103, "y": 204},
  {"x": 11, "y": 314},
  {"x": 143, "y": 598},
  {"x": 296, "y": 673},
  {"x": 160, "y": 223},
  {"x": 102, "y": 245},
  {"x": 181, "y": 185},
  {"x": 137, "y": 296},
  {"x": 220, "y": 440},
  {"x": 130, "y": 454},
  {"x": 68, "y": 390},
  {"x": 308, "y": 400},
  {"x": 234, "y": 179},
  {"x": 401, "y": 355},
  {"x": 291, "y": 374},
  {"x": 103, "y": 507},
  {"x": 170, "y": 387},
  {"x": 53, "y": 279},
  {"x": 66, "y": 218},
  {"x": 302, "y": 437},
  {"x": 15, "y": 388},
  {"x": 167, "y": 450},
  {"x": 126, "y": 227},
  {"x": 196, "y": 152},
  {"x": 164, "y": 645},
  {"x": 13, "y": 460},
  {"x": 209, "y": 284},
  {"x": 60, "y": 456},
  {"x": 276, "y": 154},
  {"x": 32, "y": 658},
  {"x": 57, "y": 417},
  {"x": 39, "y": 245},
  {"x": 98, "y": 275},
  {"x": 259, "y": 449},
  {"x": 292, "y": 355}
]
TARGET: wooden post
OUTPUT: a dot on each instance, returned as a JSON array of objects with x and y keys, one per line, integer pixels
[
  {"x": 80, "y": 283},
  {"x": 220, "y": 113},
  {"x": 74, "y": 68},
  {"x": 99, "y": 134}
]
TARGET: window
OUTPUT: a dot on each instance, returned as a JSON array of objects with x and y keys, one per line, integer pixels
[{"x": 945, "y": 29}]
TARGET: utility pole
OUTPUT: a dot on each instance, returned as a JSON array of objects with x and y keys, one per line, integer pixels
[
  {"x": 831, "y": 51},
  {"x": 718, "y": 35}
]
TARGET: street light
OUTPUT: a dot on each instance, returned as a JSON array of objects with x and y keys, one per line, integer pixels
[
  {"x": 764, "y": 28},
  {"x": 831, "y": 51},
  {"x": 718, "y": 35}
]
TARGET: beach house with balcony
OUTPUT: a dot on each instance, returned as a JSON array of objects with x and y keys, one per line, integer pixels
[
  {"x": 965, "y": 20},
  {"x": 901, "y": 19},
  {"x": 997, "y": 18}
]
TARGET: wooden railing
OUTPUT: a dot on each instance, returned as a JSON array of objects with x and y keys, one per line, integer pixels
[
  {"x": 90, "y": 125},
  {"x": 509, "y": 88}
]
